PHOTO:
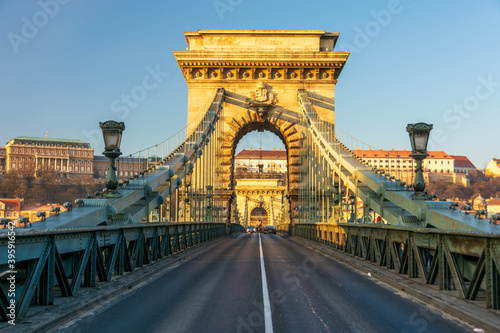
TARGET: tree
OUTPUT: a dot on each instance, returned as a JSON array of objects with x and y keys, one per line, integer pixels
[
  {"x": 476, "y": 176},
  {"x": 12, "y": 185}
]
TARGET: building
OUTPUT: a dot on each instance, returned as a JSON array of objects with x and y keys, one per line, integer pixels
[
  {"x": 260, "y": 178},
  {"x": 10, "y": 208},
  {"x": 30, "y": 211},
  {"x": 266, "y": 161},
  {"x": 493, "y": 206},
  {"x": 13, "y": 209},
  {"x": 401, "y": 165},
  {"x": 493, "y": 168},
  {"x": 463, "y": 165},
  {"x": 126, "y": 167},
  {"x": 478, "y": 202},
  {"x": 68, "y": 158}
]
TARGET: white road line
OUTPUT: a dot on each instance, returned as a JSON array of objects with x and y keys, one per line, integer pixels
[{"x": 268, "y": 320}]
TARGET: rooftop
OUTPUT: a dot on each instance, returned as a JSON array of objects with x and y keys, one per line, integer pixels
[
  {"x": 462, "y": 162},
  {"x": 12, "y": 203},
  {"x": 397, "y": 154},
  {"x": 299, "y": 40},
  {"x": 493, "y": 202},
  {"x": 264, "y": 154},
  {"x": 55, "y": 140},
  {"x": 46, "y": 207}
]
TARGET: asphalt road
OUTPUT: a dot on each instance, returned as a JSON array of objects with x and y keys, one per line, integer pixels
[{"x": 222, "y": 291}]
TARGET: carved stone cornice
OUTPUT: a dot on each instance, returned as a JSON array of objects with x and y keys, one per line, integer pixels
[{"x": 317, "y": 66}]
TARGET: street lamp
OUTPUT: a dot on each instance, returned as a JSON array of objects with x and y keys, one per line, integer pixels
[
  {"x": 419, "y": 137},
  {"x": 112, "y": 133},
  {"x": 352, "y": 201}
]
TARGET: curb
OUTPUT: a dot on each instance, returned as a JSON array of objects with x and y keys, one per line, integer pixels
[{"x": 489, "y": 320}]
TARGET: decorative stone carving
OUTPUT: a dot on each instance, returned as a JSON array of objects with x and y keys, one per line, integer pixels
[
  {"x": 261, "y": 99},
  {"x": 230, "y": 75},
  {"x": 325, "y": 75},
  {"x": 262, "y": 75},
  {"x": 214, "y": 75}
]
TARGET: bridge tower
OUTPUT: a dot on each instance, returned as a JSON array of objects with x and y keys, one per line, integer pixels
[{"x": 261, "y": 72}]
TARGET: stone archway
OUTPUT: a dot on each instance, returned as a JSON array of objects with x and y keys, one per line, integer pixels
[
  {"x": 256, "y": 219},
  {"x": 261, "y": 72}
]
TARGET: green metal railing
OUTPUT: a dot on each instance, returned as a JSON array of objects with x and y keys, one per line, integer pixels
[
  {"x": 467, "y": 263},
  {"x": 71, "y": 259}
]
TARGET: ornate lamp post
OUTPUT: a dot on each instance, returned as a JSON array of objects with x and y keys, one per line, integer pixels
[
  {"x": 419, "y": 137},
  {"x": 112, "y": 133},
  {"x": 352, "y": 201}
]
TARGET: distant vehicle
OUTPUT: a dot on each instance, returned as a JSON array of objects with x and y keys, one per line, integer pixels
[
  {"x": 251, "y": 229},
  {"x": 269, "y": 229}
]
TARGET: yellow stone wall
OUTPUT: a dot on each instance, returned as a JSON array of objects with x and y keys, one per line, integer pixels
[{"x": 274, "y": 64}]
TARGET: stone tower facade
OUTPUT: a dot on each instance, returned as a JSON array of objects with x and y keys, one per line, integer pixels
[{"x": 261, "y": 72}]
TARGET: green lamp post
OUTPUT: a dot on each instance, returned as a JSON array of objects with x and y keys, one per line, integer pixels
[
  {"x": 112, "y": 133},
  {"x": 419, "y": 137}
]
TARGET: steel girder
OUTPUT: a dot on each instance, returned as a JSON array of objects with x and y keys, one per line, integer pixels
[
  {"x": 71, "y": 259},
  {"x": 468, "y": 263}
]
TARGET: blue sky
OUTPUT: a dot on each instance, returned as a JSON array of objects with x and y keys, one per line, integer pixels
[{"x": 64, "y": 64}]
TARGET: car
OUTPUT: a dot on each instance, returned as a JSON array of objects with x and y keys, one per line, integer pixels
[
  {"x": 269, "y": 229},
  {"x": 250, "y": 229}
]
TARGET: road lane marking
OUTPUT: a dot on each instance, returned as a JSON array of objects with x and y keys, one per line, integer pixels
[{"x": 268, "y": 320}]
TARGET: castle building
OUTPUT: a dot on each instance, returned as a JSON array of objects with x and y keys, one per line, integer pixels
[
  {"x": 126, "y": 167},
  {"x": 68, "y": 158}
]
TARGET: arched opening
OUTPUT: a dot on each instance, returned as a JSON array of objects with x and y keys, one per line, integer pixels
[
  {"x": 259, "y": 173},
  {"x": 258, "y": 217}
]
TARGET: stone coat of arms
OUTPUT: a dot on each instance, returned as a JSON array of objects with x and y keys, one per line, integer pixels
[{"x": 262, "y": 99}]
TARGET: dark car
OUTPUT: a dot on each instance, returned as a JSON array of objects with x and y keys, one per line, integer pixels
[
  {"x": 250, "y": 229},
  {"x": 269, "y": 229}
]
